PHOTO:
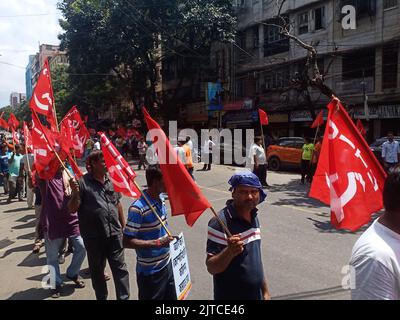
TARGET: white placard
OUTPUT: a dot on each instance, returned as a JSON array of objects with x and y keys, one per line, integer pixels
[{"x": 180, "y": 266}]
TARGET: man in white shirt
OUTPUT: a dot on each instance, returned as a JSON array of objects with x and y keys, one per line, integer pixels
[
  {"x": 390, "y": 152},
  {"x": 376, "y": 255},
  {"x": 260, "y": 161},
  {"x": 207, "y": 150}
]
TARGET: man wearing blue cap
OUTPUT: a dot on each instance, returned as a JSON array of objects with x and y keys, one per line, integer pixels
[{"x": 235, "y": 262}]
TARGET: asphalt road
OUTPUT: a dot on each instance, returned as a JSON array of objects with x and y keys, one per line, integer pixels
[{"x": 303, "y": 256}]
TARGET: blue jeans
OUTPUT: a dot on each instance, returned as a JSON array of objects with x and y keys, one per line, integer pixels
[{"x": 52, "y": 249}]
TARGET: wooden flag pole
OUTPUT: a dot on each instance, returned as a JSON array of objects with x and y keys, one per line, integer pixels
[
  {"x": 152, "y": 209},
  {"x": 223, "y": 225}
]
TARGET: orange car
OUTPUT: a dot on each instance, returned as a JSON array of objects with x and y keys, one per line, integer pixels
[{"x": 285, "y": 153}]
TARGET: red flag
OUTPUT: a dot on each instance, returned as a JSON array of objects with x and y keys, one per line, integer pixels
[
  {"x": 15, "y": 136},
  {"x": 348, "y": 176},
  {"x": 42, "y": 100},
  {"x": 75, "y": 168},
  {"x": 13, "y": 122},
  {"x": 121, "y": 132},
  {"x": 3, "y": 123},
  {"x": 78, "y": 132},
  {"x": 28, "y": 137},
  {"x": 121, "y": 174},
  {"x": 263, "y": 117},
  {"x": 183, "y": 193},
  {"x": 319, "y": 121},
  {"x": 360, "y": 128},
  {"x": 45, "y": 143},
  {"x": 111, "y": 133}
]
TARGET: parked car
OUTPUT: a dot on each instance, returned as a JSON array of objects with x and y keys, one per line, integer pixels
[
  {"x": 376, "y": 147},
  {"x": 286, "y": 152}
]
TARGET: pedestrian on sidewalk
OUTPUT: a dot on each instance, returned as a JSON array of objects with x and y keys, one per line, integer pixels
[
  {"x": 15, "y": 179},
  {"x": 375, "y": 258},
  {"x": 390, "y": 152},
  {"x": 26, "y": 169},
  {"x": 208, "y": 153},
  {"x": 144, "y": 233},
  {"x": 306, "y": 156},
  {"x": 59, "y": 224},
  {"x": 142, "y": 148},
  {"x": 260, "y": 161},
  {"x": 235, "y": 262},
  {"x": 4, "y": 171},
  {"x": 101, "y": 221}
]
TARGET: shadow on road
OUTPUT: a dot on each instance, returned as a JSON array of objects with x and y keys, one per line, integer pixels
[
  {"x": 30, "y": 224},
  {"x": 17, "y": 210},
  {"x": 33, "y": 260},
  {"x": 296, "y": 194},
  {"x": 31, "y": 294},
  {"x": 312, "y": 294},
  {"x": 27, "y": 247},
  {"x": 27, "y": 218},
  {"x": 326, "y": 226},
  {"x": 28, "y": 236}
]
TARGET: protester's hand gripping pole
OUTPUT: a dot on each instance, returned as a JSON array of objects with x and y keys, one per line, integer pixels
[{"x": 153, "y": 210}]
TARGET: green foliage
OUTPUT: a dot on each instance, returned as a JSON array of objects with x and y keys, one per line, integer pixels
[{"x": 113, "y": 45}]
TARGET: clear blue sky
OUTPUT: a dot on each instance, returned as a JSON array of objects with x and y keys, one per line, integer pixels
[{"x": 23, "y": 25}]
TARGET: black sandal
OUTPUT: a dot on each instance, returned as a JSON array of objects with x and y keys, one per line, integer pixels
[{"x": 78, "y": 283}]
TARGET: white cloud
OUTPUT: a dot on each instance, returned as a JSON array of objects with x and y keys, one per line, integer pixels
[{"x": 20, "y": 37}]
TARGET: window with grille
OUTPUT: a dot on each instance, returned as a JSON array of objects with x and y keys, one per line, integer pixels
[
  {"x": 303, "y": 22},
  {"x": 390, "y": 58}
]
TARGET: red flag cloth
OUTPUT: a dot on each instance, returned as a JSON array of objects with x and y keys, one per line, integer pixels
[
  {"x": 184, "y": 195},
  {"x": 13, "y": 122},
  {"x": 121, "y": 132},
  {"x": 3, "y": 123},
  {"x": 121, "y": 174},
  {"x": 319, "y": 121},
  {"x": 75, "y": 168},
  {"x": 15, "y": 136},
  {"x": 348, "y": 176},
  {"x": 42, "y": 100},
  {"x": 78, "y": 132},
  {"x": 360, "y": 128},
  {"x": 263, "y": 117},
  {"x": 44, "y": 143},
  {"x": 28, "y": 137}
]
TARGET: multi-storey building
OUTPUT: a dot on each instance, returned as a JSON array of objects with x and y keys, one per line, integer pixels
[
  {"x": 361, "y": 64},
  {"x": 16, "y": 99}
]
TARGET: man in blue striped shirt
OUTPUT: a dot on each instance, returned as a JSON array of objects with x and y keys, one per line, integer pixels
[{"x": 144, "y": 233}]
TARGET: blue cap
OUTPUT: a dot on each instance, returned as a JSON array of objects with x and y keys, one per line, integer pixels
[{"x": 247, "y": 179}]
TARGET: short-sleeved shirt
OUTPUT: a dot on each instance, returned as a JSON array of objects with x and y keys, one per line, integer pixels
[
  {"x": 376, "y": 262},
  {"x": 244, "y": 277},
  {"x": 142, "y": 224},
  {"x": 14, "y": 166},
  {"x": 259, "y": 153},
  {"x": 390, "y": 152},
  {"x": 98, "y": 212},
  {"x": 307, "y": 151},
  {"x": 28, "y": 160}
]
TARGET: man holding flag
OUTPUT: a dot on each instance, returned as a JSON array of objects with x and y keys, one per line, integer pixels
[
  {"x": 15, "y": 179},
  {"x": 235, "y": 261},
  {"x": 101, "y": 221},
  {"x": 145, "y": 233}
]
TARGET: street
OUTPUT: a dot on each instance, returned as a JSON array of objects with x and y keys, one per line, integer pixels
[{"x": 303, "y": 256}]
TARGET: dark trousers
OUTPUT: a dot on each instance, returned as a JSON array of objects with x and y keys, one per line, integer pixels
[
  {"x": 190, "y": 170},
  {"x": 142, "y": 161},
  {"x": 305, "y": 170},
  {"x": 158, "y": 286},
  {"x": 261, "y": 173},
  {"x": 98, "y": 251},
  {"x": 207, "y": 165}
]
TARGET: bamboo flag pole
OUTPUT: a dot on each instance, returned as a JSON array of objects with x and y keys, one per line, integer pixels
[{"x": 223, "y": 225}]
